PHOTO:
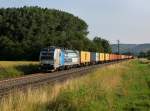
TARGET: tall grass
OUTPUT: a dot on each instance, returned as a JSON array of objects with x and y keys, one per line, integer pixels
[
  {"x": 17, "y": 68},
  {"x": 121, "y": 87}
]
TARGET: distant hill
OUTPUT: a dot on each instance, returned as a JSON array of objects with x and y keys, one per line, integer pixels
[{"x": 133, "y": 48}]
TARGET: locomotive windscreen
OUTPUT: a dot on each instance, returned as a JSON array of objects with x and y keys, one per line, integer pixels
[{"x": 46, "y": 56}]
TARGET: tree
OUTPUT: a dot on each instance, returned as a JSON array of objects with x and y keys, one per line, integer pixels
[
  {"x": 142, "y": 55},
  {"x": 102, "y": 45},
  {"x": 25, "y": 31},
  {"x": 106, "y": 46},
  {"x": 148, "y": 54},
  {"x": 98, "y": 43}
]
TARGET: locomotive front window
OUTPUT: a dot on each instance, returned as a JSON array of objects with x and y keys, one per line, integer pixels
[{"x": 47, "y": 56}]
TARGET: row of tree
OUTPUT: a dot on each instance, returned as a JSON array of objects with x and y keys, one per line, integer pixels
[
  {"x": 25, "y": 31},
  {"x": 144, "y": 55}
]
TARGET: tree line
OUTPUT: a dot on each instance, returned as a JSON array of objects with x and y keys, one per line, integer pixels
[
  {"x": 25, "y": 31},
  {"x": 144, "y": 55}
]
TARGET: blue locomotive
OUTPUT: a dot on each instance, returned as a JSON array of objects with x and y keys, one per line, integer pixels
[{"x": 58, "y": 58}]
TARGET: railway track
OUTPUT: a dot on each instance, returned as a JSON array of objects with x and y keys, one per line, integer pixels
[{"x": 35, "y": 80}]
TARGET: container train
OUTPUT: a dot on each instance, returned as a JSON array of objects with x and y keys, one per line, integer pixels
[{"x": 55, "y": 58}]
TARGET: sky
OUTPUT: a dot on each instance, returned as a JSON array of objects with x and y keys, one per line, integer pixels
[{"x": 124, "y": 20}]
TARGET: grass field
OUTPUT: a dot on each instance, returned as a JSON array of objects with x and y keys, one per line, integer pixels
[
  {"x": 17, "y": 68},
  {"x": 121, "y": 87}
]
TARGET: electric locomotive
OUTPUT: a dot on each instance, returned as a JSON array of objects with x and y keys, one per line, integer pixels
[{"x": 53, "y": 58}]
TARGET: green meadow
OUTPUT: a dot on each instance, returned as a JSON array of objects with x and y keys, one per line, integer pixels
[
  {"x": 10, "y": 69},
  {"x": 119, "y": 87}
]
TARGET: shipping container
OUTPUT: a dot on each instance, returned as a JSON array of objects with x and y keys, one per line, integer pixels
[
  {"x": 97, "y": 57},
  {"x": 85, "y": 57},
  {"x": 102, "y": 57},
  {"x": 112, "y": 57},
  {"x": 107, "y": 57},
  {"x": 119, "y": 57},
  {"x": 115, "y": 57},
  {"x": 122, "y": 57},
  {"x": 94, "y": 57}
]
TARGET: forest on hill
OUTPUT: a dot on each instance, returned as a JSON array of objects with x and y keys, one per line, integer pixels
[
  {"x": 25, "y": 31},
  {"x": 131, "y": 48}
]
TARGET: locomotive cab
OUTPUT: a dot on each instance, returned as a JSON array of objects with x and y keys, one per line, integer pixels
[{"x": 51, "y": 58}]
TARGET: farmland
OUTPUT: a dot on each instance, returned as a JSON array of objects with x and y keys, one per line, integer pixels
[
  {"x": 124, "y": 86},
  {"x": 17, "y": 68}
]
